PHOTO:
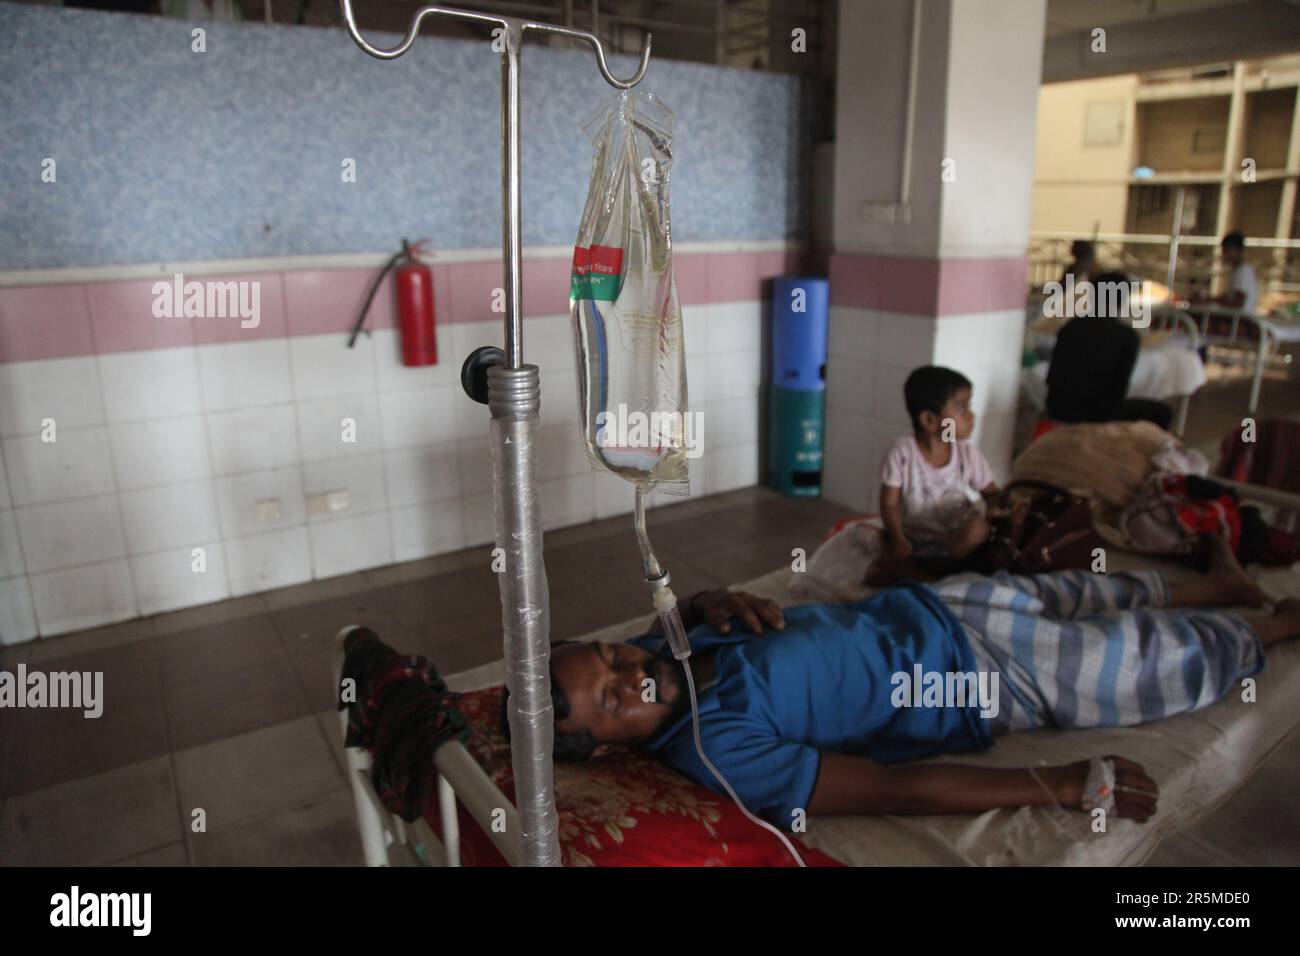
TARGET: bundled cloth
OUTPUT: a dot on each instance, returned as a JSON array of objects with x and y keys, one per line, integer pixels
[
  {"x": 402, "y": 712},
  {"x": 1171, "y": 512},
  {"x": 1108, "y": 465}
]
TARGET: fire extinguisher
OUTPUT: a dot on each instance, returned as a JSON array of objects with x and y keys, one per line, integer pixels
[{"x": 414, "y": 282}]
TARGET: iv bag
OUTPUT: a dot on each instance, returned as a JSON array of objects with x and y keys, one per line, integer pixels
[{"x": 627, "y": 325}]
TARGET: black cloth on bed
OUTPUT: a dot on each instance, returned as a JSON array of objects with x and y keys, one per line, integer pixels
[{"x": 402, "y": 714}]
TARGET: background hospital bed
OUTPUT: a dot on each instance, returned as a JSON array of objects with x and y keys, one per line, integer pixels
[
  {"x": 1198, "y": 759},
  {"x": 1256, "y": 337}
]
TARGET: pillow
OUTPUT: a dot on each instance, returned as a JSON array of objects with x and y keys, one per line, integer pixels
[{"x": 626, "y": 809}]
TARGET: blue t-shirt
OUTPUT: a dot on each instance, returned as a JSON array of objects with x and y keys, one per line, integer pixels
[{"x": 822, "y": 683}]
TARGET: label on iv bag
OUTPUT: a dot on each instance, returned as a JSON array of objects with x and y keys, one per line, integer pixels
[{"x": 597, "y": 273}]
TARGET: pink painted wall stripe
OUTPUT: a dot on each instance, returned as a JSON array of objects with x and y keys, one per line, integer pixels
[
  {"x": 61, "y": 321},
  {"x": 41, "y": 322},
  {"x": 931, "y": 287}
]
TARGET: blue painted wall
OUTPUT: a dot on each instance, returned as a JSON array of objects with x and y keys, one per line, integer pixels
[{"x": 163, "y": 153}]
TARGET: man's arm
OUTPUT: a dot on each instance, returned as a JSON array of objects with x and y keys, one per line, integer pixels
[{"x": 856, "y": 785}]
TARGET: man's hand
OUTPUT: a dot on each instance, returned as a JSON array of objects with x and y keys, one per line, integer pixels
[
  {"x": 1136, "y": 794},
  {"x": 717, "y": 608},
  {"x": 902, "y": 547}
]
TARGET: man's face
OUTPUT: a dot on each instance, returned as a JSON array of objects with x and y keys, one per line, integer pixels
[
  {"x": 606, "y": 685},
  {"x": 1231, "y": 255}
]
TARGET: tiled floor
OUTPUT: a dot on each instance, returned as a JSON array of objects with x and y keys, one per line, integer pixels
[{"x": 217, "y": 745}]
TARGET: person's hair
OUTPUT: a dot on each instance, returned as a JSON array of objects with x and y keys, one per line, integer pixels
[
  {"x": 928, "y": 389},
  {"x": 1083, "y": 249},
  {"x": 576, "y": 745},
  {"x": 1233, "y": 240},
  {"x": 1102, "y": 298}
]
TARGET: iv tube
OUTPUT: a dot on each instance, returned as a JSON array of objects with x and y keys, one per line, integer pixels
[{"x": 670, "y": 618}]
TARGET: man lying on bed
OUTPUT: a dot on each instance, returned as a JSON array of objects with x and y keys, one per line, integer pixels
[{"x": 808, "y": 717}]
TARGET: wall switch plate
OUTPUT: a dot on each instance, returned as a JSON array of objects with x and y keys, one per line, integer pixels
[
  {"x": 328, "y": 502},
  {"x": 886, "y": 212}
]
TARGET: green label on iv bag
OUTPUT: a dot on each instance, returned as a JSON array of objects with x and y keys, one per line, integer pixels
[
  {"x": 597, "y": 273},
  {"x": 604, "y": 288}
]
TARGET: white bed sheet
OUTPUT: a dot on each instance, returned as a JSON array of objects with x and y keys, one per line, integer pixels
[
  {"x": 1167, "y": 370},
  {"x": 1199, "y": 760}
]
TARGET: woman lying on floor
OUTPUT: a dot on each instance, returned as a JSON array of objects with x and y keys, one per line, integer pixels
[{"x": 807, "y": 720}]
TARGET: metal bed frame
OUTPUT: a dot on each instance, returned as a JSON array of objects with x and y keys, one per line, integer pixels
[
  {"x": 1168, "y": 319},
  {"x": 459, "y": 777},
  {"x": 1266, "y": 339}
]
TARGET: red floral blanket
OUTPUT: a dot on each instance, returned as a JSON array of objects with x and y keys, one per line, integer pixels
[{"x": 627, "y": 809}]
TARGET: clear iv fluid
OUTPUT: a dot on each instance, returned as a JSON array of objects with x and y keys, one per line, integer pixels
[
  {"x": 632, "y": 393},
  {"x": 627, "y": 323}
]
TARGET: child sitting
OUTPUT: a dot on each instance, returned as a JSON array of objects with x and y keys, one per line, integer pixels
[{"x": 933, "y": 483}]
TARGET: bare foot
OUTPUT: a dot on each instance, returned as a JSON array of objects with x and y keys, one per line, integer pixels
[{"x": 1237, "y": 586}]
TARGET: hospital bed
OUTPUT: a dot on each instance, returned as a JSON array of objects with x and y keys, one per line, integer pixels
[
  {"x": 1199, "y": 760},
  {"x": 1261, "y": 334}
]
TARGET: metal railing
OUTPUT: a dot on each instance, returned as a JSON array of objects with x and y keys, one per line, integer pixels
[{"x": 1276, "y": 261}]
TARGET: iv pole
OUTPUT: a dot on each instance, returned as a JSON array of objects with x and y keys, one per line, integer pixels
[{"x": 514, "y": 400}]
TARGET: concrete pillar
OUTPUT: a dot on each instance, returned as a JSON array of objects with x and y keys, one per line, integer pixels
[{"x": 929, "y": 263}]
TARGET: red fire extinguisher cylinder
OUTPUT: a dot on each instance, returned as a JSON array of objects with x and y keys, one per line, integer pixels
[{"x": 415, "y": 311}]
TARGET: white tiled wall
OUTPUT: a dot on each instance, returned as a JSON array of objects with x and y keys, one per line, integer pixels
[
  {"x": 871, "y": 354},
  {"x": 159, "y": 453}
]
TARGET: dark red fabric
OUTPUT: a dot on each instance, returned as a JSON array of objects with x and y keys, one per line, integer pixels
[
  {"x": 1272, "y": 460},
  {"x": 627, "y": 809},
  {"x": 402, "y": 714},
  {"x": 1044, "y": 426}
]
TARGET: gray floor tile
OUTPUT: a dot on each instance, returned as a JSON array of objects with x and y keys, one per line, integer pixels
[
  {"x": 216, "y": 706},
  {"x": 331, "y": 730},
  {"x": 320, "y": 833},
  {"x": 255, "y": 775},
  {"x": 94, "y": 819},
  {"x": 173, "y": 854},
  {"x": 70, "y": 645},
  {"x": 313, "y": 591},
  {"x": 219, "y": 649},
  {"x": 55, "y": 746},
  {"x": 219, "y": 612}
]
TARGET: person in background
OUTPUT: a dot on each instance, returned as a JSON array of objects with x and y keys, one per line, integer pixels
[
  {"x": 1092, "y": 361},
  {"x": 1243, "y": 288},
  {"x": 1084, "y": 254},
  {"x": 935, "y": 485}
]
